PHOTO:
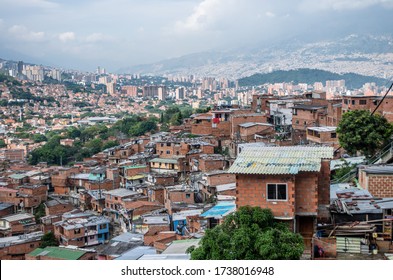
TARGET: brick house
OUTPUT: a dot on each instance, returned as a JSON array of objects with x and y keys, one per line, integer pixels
[
  {"x": 116, "y": 199},
  {"x": 16, "y": 247},
  {"x": 153, "y": 226},
  {"x": 57, "y": 206},
  {"x": 377, "y": 179},
  {"x": 82, "y": 229},
  {"x": 324, "y": 135},
  {"x": 294, "y": 182},
  {"x": 60, "y": 180},
  {"x": 208, "y": 162},
  {"x": 6, "y": 209},
  {"x": 17, "y": 224},
  {"x": 238, "y": 119},
  {"x": 176, "y": 196}
]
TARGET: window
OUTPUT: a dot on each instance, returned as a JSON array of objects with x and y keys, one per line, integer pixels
[
  {"x": 103, "y": 226},
  {"x": 168, "y": 152},
  {"x": 362, "y": 102},
  {"x": 345, "y": 101},
  {"x": 31, "y": 245},
  {"x": 91, "y": 236},
  {"x": 276, "y": 192},
  {"x": 188, "y": 195},
  {"x": 76, "y": 231},
  {"x": 353, "y": 102},
  {"x": 294, "y": 112},
  {"x": 333, "y": 135}
]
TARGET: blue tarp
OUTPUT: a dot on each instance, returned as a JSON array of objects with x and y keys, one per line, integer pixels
[{"x": 219, "y": 210}]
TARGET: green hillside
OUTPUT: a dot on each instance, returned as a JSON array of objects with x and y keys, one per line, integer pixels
[{"x": 309, "y": 76}]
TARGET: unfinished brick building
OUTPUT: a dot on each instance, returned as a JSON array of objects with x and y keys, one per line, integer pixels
[{"x": 293, "y": 182}]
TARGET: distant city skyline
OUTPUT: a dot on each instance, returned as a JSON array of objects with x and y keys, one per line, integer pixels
[{"x": 117, "y": 34}]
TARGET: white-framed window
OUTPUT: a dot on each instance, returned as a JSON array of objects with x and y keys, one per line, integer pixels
[{"x": 276, "y": 191}]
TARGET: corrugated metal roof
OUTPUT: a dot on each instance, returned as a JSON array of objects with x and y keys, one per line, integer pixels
[
  {"x": 59, "y": 253},
  {"x": 280, "y": 160},
  {"x": 164, "y": 160}
]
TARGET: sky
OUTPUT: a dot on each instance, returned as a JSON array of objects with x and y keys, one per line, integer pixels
[{"x": 84, "y": 34}]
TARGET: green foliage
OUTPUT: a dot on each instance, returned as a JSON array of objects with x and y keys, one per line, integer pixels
[
  {"x": 343, "y": 170},
  {"x": 2, "y": 143},
  {"x": 49, "y": 239},
  {"x": 38, "y": 138},
  {"x": 249, "y": 234},
  {"x": 308, "y": 76},
  {"x": 39, "y": 212},
  {"x": 94, "y": 145},
  {"x": 358, "y": 130},
  {"x": 110, "y": 144}
]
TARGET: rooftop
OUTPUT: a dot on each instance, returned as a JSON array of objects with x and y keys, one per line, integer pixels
[
  {"x": 164, "y": 160},
  {"x": 12, "y": 240},
  {"x": 59, "y": 253},
  {"x": 280, "y": 160},
  {"x": 180, "y": 246},
  {"x": 251, "y": 124},
  {"x": 220, "y": 210},
  {"x": 18, "y": 217},
  {"x": 136, "y": 253},
  {"x": 323, "y": 128},
  {"x": 121, "y": 192},
  {"x": 308, "y": 107},
  {"x": 378, "y": 169}
]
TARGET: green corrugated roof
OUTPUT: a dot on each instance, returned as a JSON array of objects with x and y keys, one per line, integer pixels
[
  {"x": 164, "y": 160},
  {"x": 58, "y": 253},
  {"x": 280, "y": 160}
]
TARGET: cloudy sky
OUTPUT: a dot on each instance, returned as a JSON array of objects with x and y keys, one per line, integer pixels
[{"x": 84, "y": 34}]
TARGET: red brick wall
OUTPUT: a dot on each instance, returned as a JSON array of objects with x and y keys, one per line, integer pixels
[
  {"x": 17, "y": 252},
  {"x": 165, "y": 181},
  {"x": 223, "y": 129},
  {"x": 210, "y": 165},
  {"x": 7, "y": 195},
  {"x": 135, "y": 171},
  {"x": 58, "y": 209},
  {"x": 252, "y": 190},
  {"x": 158, "y": 195},
  {"x": 204, "y": 127},
  {"x": 221, "y": 179},
  {"x": 304, "y": 118},
  {"x": 306, "y": 192},
  {"x": 380, "y": 185},
  {"x": 207, "y": 149},
  {"x": 236, "y": 120}
]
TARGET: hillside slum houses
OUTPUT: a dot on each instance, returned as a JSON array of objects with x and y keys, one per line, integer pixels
[{"x": 158, "y": 193}]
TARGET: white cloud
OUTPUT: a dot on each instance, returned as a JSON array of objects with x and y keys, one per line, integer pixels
[
  {"x": 21, "y": 32},
  {"x": 31, "y": 3},
  {"x": 340, "y": 5},
  {"x": 204, "y": 13},
  {"x": 270, "y": 14},
  {"x": 66, "y": 36},
  {"x": 96, "y": 37}
]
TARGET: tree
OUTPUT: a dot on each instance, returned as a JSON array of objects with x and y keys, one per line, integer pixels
[
  {"x": 49, "y": 239},
  {"x": 2, "y": 143},
  {"x": 250, "y": 233},
  {"x": 38, "y": 138},
  {"x": 360, "y": 131}
]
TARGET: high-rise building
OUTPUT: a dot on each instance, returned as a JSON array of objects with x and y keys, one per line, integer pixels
[
  {"x": 130, "y": 91},
  {"x": 179, "y": 93},
  {"x": 152, "y": 91}
]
